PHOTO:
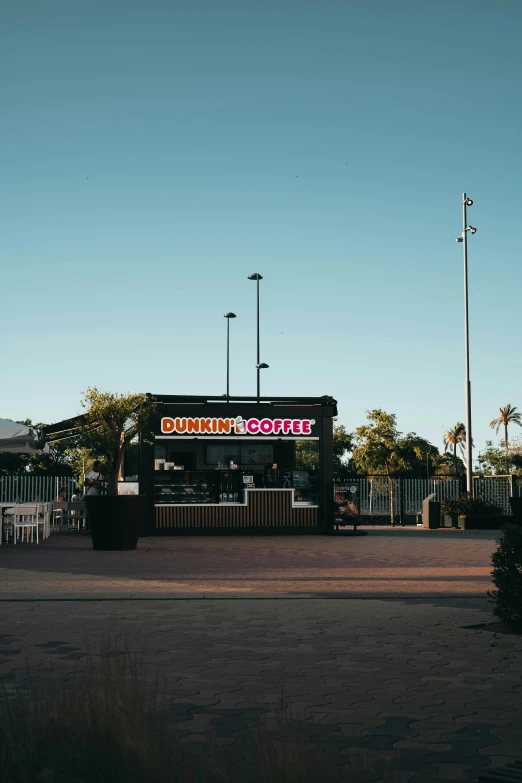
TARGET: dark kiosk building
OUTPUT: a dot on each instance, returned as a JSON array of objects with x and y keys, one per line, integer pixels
[{"x": 237, "y": 464}]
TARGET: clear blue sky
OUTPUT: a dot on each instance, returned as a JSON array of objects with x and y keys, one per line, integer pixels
[{"x": 153, "y": 154}]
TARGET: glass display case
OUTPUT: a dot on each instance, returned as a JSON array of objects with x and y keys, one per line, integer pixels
[
  {"x": 182, "y": 486},
  {"x": 194, "y": 486}
]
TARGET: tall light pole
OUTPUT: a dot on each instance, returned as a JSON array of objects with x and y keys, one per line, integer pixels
[
  {"x": 257, "y": 277},
  {"x": 467, "y": 202},
  {"x": 259, "y": 367},
  {"x": 228, "y": 316}
]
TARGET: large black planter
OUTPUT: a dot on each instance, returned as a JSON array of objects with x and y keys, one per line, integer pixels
[{"x": 115, "y": 521}]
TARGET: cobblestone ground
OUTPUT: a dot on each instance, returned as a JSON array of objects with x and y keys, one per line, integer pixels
[{"x": 366, "y": 639}]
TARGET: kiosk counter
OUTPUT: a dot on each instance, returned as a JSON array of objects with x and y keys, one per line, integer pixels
[{"x": 239, "y": 465}]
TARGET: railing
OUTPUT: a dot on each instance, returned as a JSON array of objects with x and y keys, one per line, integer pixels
[
  {"x": 43, "y": 489},
  {"x": 374, "y": 493},
  {"x": 497, "y": 489}
]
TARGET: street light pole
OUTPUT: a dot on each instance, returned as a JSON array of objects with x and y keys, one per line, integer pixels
[
  {"x": 467, "y": 202},
  {"x": 257, "y": 277},
  {"x": 228, "y": 316}
]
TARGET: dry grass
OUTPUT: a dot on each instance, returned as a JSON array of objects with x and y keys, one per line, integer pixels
[{"x": 105, "y": 721}]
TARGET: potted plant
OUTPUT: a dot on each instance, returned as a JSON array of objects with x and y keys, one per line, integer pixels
[
  {"x": 473, "y": 513},
  {"x": 109, "y": 425},
  {"x": 450, "y": 510}
]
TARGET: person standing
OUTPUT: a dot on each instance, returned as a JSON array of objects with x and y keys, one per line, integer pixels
[{"x": 93, "y": 480}]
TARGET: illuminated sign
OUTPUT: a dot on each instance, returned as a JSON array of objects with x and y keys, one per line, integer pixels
[{"x": 185, "y": 425}]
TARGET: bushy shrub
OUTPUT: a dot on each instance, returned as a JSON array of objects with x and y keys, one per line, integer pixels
[
  {"x": 507, "y": 577},
  {"x": 464, "y": 505}
]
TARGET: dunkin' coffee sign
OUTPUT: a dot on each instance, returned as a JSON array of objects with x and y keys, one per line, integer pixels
[{"x": 239, "y": 426}]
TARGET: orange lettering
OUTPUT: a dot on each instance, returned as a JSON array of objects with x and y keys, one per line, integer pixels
[
  {"x": 204, "y": 425},
  {"x": 224, "y": 425},
  {"x": 193, "y": 425},
  {"x": 167, "y": 424},
  {"x": 181, "y": 425}
]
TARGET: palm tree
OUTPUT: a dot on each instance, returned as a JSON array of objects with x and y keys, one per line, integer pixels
[
  {"x": 506, "y": 416},
  {"x": 453, "y": 438}
]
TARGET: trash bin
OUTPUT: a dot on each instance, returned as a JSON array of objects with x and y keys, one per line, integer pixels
[{"x": 431, "y": 512}]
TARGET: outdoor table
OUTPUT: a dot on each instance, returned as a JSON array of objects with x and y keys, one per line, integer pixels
[
  {"x": 46, "y": 513},
  {"x": 2, "y": 507}
]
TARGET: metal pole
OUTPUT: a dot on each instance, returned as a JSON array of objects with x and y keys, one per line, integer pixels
[
  {"x": 228, "y": 359},
  {"x": 258, "y": 351},
  {"x": 469, "y": 448}
]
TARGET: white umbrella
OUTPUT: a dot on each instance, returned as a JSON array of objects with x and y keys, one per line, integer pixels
[{"x": 20, "y": 439}]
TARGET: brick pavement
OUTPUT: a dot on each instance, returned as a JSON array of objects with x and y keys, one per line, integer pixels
[
  {"x": 401, "y": 676},
  {"x": 399, "y": 561}
]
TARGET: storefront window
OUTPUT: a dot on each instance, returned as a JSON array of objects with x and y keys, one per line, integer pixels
[
  {"x": 307, "y": 455},
  {"x": 221, "y": 472},
  {"x": 252, "y": 454}
]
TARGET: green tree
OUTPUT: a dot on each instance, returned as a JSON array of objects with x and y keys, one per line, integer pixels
[
  {"x": 454, "y": 439},
  {"x": 381, "y": 448},
  {"x": 110, "y": 424},
  {"x": 506, "y": 416},
  {"x": 492, "y": 460},
  {"x": 515, "y": 455},
  {"x": 342, "y": 446},
  {"x": 447, "y": 465}
]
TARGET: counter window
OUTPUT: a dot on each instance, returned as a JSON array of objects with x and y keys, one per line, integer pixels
[
  {"x": 252, "y": 454},
  {"x": 223, "y": 472}
]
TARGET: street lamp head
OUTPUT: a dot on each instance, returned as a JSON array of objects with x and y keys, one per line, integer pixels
[
  {"x": 262, "y": 366},
  {"x": 459, "y": 239},
  {"x": 255, "y": 276},
  {"x": 468, "y": 202},
  {"x": 471, "y": 229},
  {"x": 230, "y": 315}
]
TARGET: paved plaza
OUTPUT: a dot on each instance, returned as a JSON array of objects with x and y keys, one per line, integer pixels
[{"x": 383, "y": 643}]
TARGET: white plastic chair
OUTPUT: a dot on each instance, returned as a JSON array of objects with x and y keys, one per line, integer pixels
[
  {"x": 77, "y": 515},
  {"x": 25, "y": 518},
  {"x": 60, "y": 514}
]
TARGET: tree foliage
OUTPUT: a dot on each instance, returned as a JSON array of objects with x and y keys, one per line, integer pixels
[
  {"x": 507, "y": 577},
  {"x": 111, "y": 423},
  {"x": 448, "y": 465},
  {"x": 492, "y": 460},
  {"x": 342, "y": 446},
  {"x": 381, "y": 448},
  {"x": 454, "y": 439},
  {"x": 506, "y": 416}
]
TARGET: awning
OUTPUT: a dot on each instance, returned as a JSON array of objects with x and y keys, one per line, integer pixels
[{"x": 20, "y": 439}]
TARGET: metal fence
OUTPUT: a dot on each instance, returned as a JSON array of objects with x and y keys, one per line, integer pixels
[
  {"x": 23, "y": 489},
  {"x": 374, "y": 492},
  {"x": 497, "y": 489}
]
